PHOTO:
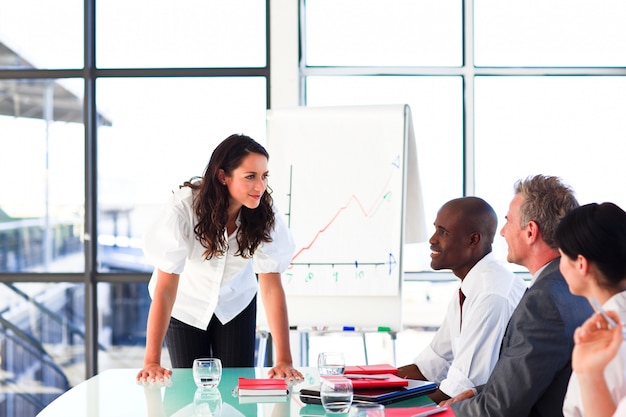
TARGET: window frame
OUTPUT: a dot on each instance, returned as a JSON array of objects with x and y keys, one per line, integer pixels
[
  {"x": 467, "y": 71},
  {"x": 91, "y": 277}
]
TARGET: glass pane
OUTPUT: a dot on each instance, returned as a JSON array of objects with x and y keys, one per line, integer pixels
[
  {"x": 41, "y": 34},
  {"x": 160, "y": 133},
  {"x": 42, "y": 339},
  {"x": 571, "y": 127},
  {"x": 383, "y": 33},
  {"x": 437, "y": 110},
  {"x": 122, "y": 333},
  {"x": 41, "y": 176},
  {"x": 550, "y": 33},
  {"x": 123, "y": 310},
  {"x": 144, "y": 33}
]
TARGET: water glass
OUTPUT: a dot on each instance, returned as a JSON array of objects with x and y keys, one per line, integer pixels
[
  {"x": 207, "y": 402},
  {"x": 336, "y": 394},
  {"x": 367, "y": 410},
  {"x": 331, "y": 363},
  {"x": 207, "y": 372}
]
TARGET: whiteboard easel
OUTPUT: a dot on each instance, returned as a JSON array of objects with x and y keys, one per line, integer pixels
[{"x": 344, "y": 178}]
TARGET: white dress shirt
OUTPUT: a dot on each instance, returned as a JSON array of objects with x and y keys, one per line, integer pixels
[
  {"x": 224, "y": 285},
  {"x": 613, "y": 373},
  {"x": 462, "y": 358}
]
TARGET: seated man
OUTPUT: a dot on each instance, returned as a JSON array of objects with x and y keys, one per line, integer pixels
[
  {"x": 465, "y": 348},
  {"x": 532, "y": 373}
]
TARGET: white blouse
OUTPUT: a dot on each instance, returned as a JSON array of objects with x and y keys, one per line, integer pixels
[
  {"x": 613, "y": 373},
  {"x": 223, "y": 286}
]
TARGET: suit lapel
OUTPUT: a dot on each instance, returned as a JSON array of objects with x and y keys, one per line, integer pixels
[{"x": 549, "y": 269}]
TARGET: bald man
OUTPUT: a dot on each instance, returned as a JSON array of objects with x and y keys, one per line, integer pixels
[{"x": 465, "y": 349}]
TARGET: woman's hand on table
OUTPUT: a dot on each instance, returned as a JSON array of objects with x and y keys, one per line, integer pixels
[
  {"x": 153, "y": 372},
  {"x": 287, "y": 371}
]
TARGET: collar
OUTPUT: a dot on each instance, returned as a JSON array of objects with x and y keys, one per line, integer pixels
[
  {"x": 537, "y": 274},
  {"x": 468, "y": 282}
]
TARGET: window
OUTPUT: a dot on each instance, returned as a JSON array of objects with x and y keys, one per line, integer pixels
[
  {"x": 498, "y": 90},
  {"x": 559, "y": 33},
  {"x": 370, "y": 33},
  {"x": 162, "y": 133},
  {"x": 93, "y": 141},
  {"x": 143, "y": 34}
]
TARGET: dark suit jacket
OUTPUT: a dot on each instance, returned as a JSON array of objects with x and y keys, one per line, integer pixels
[{"x": 533, "y": 370}]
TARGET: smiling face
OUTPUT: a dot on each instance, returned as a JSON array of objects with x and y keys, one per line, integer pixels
[
  {"x": 450, "y": 244},
  {"x": 247, "y": 182}
]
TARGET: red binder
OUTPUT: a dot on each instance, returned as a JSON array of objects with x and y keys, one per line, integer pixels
[
  {"x": 382, "y": 368},
  {"x": 311, "y": 395},
  {"x": 361, "y": 381},
  {"x": 262, "y": 386}
]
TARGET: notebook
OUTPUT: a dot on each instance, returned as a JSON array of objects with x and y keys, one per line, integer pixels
[
  {"x": 372, "y": 381},
  {"x": 262, "y": 386},
  {"x": 249, "y": 399},
  {"x": 311, "y": 395},
  {"x": 382, "y": 368}
]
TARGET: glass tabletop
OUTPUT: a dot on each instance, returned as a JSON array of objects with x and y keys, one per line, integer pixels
[{"x": 115, "y": 392}]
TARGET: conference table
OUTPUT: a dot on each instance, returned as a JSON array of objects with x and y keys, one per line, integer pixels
[{"x": 116, "y": 393}]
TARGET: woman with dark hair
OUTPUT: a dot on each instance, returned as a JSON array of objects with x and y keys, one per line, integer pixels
[
  {"x": 211, "y": 240},
  {"x": 592, "y": 242}
]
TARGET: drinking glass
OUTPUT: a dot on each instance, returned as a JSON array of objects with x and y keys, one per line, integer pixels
[
  {"x": 367, "y": 410},
  {"x": 207, "y": 402},
  {"x": 207, "y": 372},
  {"x": 336, "y": 394},
  {"x": 331, "y": 363}
]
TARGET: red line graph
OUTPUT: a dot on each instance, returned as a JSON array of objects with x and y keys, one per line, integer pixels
[{"x": 384, "y": 194}]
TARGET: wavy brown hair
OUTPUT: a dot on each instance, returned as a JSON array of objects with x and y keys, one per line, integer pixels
[{"x": 211, "y": 200}]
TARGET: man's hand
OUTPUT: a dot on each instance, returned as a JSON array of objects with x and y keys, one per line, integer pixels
[{"x": 469, "y": 393}]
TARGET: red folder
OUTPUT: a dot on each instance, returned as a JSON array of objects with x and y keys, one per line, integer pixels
[
  {"x": 382, "y": 368},
  {"x": 377, "y": 381},
  {"x": 262, "y": 386}
]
